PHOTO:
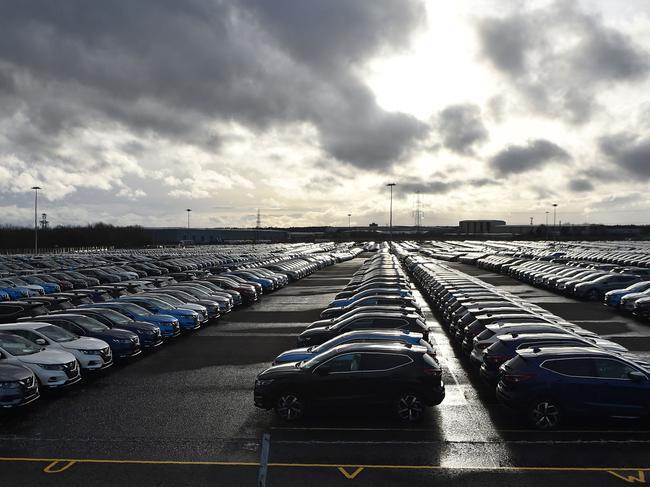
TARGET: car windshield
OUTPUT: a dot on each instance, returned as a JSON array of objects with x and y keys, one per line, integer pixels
[
  {"x": 171, "y": 300},
  {"x": 89, "y": 324},
  {"x": 116, "y": 317},
  {"x": 135, "y": 309},
  {"x": 57, "y": 334},
  {"x": 18, "y": 346},
  {"x": 161, "y": 304}
]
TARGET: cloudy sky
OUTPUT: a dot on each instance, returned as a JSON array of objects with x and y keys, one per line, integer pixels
[{"x": 132, "y": 111}]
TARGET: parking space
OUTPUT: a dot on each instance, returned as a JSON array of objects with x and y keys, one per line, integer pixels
[{"x": 185, "y": 414}]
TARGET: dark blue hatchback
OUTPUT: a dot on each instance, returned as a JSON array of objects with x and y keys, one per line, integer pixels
[{"x": 549, "y": 384}]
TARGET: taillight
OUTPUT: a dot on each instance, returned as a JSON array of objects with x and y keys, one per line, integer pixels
[
  {"x": 495, "y": 359},
  {"x": 516, "y": 378}
]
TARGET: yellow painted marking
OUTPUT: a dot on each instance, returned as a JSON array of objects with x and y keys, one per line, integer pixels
[
  {"x": 631, "y": 479},
  {"x": 349, "y": 475},
  {"x": 640, "y": 470},
  {"x": 59, "y": 466}
]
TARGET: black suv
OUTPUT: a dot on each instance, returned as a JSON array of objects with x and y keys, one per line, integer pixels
[
  {"x": 364, "y": 321},
  {"x": 406, "y": 377}
]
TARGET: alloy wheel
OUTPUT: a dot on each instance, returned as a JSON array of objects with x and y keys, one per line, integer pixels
[
  {"x": 409, "y": 407},
  {"x": 545, "y": 415},
  {"x": 289, "y": 407}
]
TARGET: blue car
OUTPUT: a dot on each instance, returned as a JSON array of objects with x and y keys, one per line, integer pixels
[
  {"x": 169, "y": 326},
  {"x": 267, "y": 284},
  {"x": 48, "y": 287},
  {"x": 399, "y": 336},
  {"x": 370, "y": 292},
  {"x": 550, "y": 384},
  {"x": 613, "y": 298},
  {"x": 16, "y": 293},
  {"x": 188, "y": 319}
]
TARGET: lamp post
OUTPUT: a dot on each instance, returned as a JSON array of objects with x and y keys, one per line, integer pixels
[
  {"x": 349, "y": 221},
  {"x": 390, "y": 220},
  {"x": 554, "y": 216},
  {"x": 189, "y": 210},
  {"x": 546, "y": 224},
  {"x": 36, "y": 188}
]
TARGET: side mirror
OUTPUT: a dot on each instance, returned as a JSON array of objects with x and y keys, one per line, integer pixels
[
  {"x": 323, "y": 370},
  {"x": 637, "y": 376},
  {"x": 40, "y": 341}
]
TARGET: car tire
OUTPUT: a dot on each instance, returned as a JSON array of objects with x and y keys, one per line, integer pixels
[
  {"x": 409, "y": 407},
  {"x": 545, "y": 414},
  {"x": 289, "y": 406}
]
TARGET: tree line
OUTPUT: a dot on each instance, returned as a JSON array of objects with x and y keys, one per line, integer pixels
[{"x": 94, "y": 235}]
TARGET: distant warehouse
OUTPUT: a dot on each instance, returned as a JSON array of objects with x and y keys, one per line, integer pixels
[{"x": 480, "y": 226}]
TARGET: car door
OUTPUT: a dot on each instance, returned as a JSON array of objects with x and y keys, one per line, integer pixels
[
  {"x": 332, "y": 379},
  {"x": 576, "y": 386},
  {"x": 379, "y": 378},
  {"x": 619, "y": 394}
]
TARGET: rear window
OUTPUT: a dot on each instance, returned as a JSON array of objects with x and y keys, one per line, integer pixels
[
  {"x": 39, "y": 310},
  {"x": 498, "y": 348},
  {"x": 485, "y": 335}
]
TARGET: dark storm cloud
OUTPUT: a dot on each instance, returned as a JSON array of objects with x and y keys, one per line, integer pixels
[
  {"x": 535, "y": 154},
  {"x": 440, "y": 186},
  {"x": 559, "y": 57},
  {"x": 629, "y": 152},
  {"x": 170, "y": 68},
  {"x": 580, "y": 185},
  {"x": 461, "y": 128}
]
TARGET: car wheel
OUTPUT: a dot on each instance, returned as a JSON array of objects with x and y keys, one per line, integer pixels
[
  {"x": 409, "y": 407},
  {"x": 545, "y": 414},
  {"x": 289, "y": 407}
]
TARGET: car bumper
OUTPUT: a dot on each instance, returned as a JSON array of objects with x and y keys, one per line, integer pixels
[
  {"x": 20, "y": 398},
  {"x": 476, "y": 357},
  {"x": 152, "y": 344},
  {"x": 489, "y": 376}
]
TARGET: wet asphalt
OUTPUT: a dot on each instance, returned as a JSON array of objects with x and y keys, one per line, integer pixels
[{"x": 184, "y": 415}]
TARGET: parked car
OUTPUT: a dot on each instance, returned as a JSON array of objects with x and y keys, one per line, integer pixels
[
  {"x": 188, "y": 319},
  {"x": 550, "y": 384},
  {"x": 595, "y": 290},
  {"x": 365, "y": 336},
  {"x": 365, "y": 321},
  {"x": 405, "y": 302},
  {"x": 18, "y": 386},
  {"x": 169, "y": 326},
  {"x": 91, "y": 353},
  {"x": 53, "y": 368},
  {"x": 11, "y": 311},
  {"x": 149, "y": 334},
  {"x": 614, "y": 297},
  {"x": 124, "y": 344},
  {"x": 408, "y": 378}
]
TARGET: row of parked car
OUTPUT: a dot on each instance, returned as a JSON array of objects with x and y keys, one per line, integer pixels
[
  {"x": 538, "y": 363},
  {"x": 371, "y": 348},
  {"x": 50, "y": 339}
]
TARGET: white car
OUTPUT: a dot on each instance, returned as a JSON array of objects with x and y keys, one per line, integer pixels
[
  {"x": 53, "y": 368},
  {"x": 91, "y": 353}
]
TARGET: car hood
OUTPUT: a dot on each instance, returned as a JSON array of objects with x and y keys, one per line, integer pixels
[
  {"x": 11, "y": 372},
  {"x": 115, "y": 333},
  {"x": 85, "y": 343},
  {"x": 281, "y": 370},
  {"x": 50, "y": 357},
  {"x": 320, "y": 324},
  {"x": 312, "y": 332},
  {"x": 159, "y": 318},
  {"x": 182, "y": 312},
  {"x": 295, "y": 355}
]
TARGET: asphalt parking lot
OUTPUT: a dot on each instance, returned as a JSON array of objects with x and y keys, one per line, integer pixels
[{"x": 185, "y": 415}]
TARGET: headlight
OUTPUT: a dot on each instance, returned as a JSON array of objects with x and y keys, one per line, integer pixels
[
  {"x": 263, "y": 382},
  {"x": 91, "y": 352},
  {"x": 50, "y": 366},
  {"x": 9, "y": 385}
]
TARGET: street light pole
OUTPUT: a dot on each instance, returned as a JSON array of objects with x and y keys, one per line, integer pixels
[
  {"x": 349, "y": 221},
  {"x": 36, "y": 188},
  {"x": 189, "y": 210},
  {"x": 390, "y": 224},
  {"x": 554, "y": 216},
  {"x": 546, "y": 224}
]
